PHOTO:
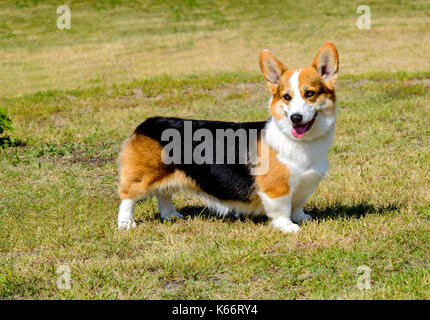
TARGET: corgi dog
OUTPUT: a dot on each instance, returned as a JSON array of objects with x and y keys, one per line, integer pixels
[{"x": 283, "y": 160}]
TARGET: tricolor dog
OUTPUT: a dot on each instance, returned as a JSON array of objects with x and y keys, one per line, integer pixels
[{"x": 283, "y": 160}]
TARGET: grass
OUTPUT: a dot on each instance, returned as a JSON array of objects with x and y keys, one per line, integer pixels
[{"x": 75, "y": 96}]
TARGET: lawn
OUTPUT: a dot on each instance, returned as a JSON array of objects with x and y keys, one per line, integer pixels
[{"x": 75, "y": 95}]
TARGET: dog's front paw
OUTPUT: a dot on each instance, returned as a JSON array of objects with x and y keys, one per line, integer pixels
[
  {"x": 285, "y": 225},
  {"x": 126, "y": 224}
]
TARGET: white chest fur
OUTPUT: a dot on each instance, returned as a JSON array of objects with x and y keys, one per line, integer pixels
[{"x": 306, "y": 160}]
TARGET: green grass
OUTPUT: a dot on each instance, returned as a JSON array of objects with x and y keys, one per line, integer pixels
[{"x": 58, "y": 190}]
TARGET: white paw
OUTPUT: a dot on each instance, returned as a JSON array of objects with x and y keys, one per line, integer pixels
[
  {"x": 300, "y": 216},
  {"x": 290, "y": 228},
  {"x": 126, "y": 224},
  {"x": 285, "y": 225}
]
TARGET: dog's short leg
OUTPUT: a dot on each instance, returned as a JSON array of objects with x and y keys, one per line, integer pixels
[
  {"x": 279, "y": 211},
  {"x": 307, "y": 185},
  {"x": 166, "y": 208},
  {"x": 125, "y": 214},
  {"x": 298, "y": 216}
]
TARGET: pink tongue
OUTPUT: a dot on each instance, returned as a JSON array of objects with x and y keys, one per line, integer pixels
[{"x": 299, "y": 131}]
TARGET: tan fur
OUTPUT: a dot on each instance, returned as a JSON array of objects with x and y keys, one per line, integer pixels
[
  {"x": 328, "y": 52},
  {"x": 274, "y": 183},
  {"x": 281, "y": 90},
  {"x": 309, "y": 79},
  {"x": 141, "y": 167},
  {"x": 276, "y": 109},
  {"x": 143, "y": 172},
  {"x": 271, "y": 68}
]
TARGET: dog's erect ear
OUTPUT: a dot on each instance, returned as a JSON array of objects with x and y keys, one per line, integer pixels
[
  {"x": 327, "y": 63},
  {"x": 272, "y": 69}
]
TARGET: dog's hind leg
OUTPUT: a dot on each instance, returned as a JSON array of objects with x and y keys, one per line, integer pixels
[
  {"x": 130, "y": 192},
  {"x": 141, "y": 168},
  {"x": 125, "y": 214},
  {"x": 165, "y": 205}
]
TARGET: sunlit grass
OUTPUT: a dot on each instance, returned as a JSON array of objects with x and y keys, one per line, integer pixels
[
  {"x": 75, "y": 97},
  {"x": 119, "y": 41}
]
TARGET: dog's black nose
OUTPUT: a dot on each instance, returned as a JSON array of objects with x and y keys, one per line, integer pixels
[{"x": 296, "y": 118}]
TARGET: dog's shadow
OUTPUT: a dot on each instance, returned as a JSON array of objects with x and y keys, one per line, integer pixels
[
  {"x": 333, "y": 211},
  {"x": 339, "y": 210}
]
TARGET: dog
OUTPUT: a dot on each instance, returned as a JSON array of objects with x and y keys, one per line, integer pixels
[{"x": 295, "y": 140}]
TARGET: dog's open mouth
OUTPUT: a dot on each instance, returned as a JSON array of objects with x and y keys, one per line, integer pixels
[{"x": 300, "y": 130}]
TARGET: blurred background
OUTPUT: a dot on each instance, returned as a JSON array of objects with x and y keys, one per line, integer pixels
[{"x": 118, "y": 41}]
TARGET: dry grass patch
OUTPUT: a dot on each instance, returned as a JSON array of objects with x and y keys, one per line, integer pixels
[
  {"x": 74, "y": 97},
  {"x": 126, "y": 41},
  {"x": 372, "y": 209}
]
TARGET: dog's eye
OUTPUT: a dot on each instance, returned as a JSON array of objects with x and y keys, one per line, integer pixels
[
  {"x": 309, "y": 93},
  {"x": 287, "y": 97}
]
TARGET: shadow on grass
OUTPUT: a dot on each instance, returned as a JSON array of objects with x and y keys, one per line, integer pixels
[
  {"x": 207, "y": 213},
  {"x": 333, "y": 211},
  {"x": 355, "y": 211}
]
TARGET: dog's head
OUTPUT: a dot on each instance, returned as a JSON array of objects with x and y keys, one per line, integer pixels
[{"x": 303, "y": 102}]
